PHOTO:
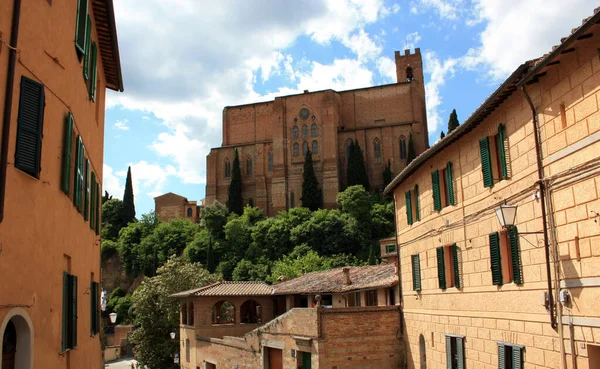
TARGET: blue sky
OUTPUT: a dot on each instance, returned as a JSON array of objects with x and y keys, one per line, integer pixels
[{"x": 184, "y": 60}]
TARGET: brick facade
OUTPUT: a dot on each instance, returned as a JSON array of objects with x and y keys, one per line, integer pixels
[
  {"x": 171, "y": 205},
  {"x": 266, "y": 134},
  {"x": 565, "y": 96}
]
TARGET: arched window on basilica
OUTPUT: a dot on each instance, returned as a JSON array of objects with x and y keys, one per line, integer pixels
[
  {"x": 409, "y": 74},
  {"x": 271, "y": 161},
  {"x": 314, "y": 131},
  {"x": 304, "y": 131},
  {"x": 377, "y": 150},
  {"x": 304, "y": 148},
  {"x": 295, "y": 132},
  {"x": 402, "y": 148},
  {"x": 295, "y": 149},
  {"x": 227, "y": 168},
  {"x": 315, "y": 147},
  {"x": 249, "y": 166}
]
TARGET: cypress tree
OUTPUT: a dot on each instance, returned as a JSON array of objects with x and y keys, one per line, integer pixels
[
  {"x": 372, "y": 258},
  {"x": 210, "y": 257},
  {"x": 387, "y": 174},
  {"x": 351, "y": 169},
  {"x": 442, "y": 135},
  {"x": 453, "y": 121},
  {"x": 234, "y": 201},
  {"x": 310, "y": 187},
  {"x": 411, "y": 155},
  {"x": 128, "y": 205},
  {"x": 361, "y": 169}
]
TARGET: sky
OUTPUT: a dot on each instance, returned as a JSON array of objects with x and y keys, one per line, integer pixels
[{"x": 183, "y": 61}]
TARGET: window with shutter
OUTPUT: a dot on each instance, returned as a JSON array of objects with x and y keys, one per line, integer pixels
[
  {"x": 93, "y": 72},
  {"x": 435, "y": 184},
  {"x": 86, "y": 54},
  {"x": 455, "y": 266},
  {"x": 409, "y": 219},
  {"x": 66, "y": 158},
  {"x": 517, "y": 358},
  {"x": 94, "y": 299},
  {"x": 486, "y": 162},
  {"x": 79, "y": 174},
  {"x": 501, "y": 356},
  {"x": 98, "y": 208},
  {"x": 30, "y": 121},
  {"x": 417, "y": 211},
  {"x": 93, "y": 201},
  {"x": 81, "y": 26},
  {"x": 441, "y": 267},
  {"x": 495, "y": 259},
  {"x": 455, "y": 355},
  {"x": 86, "y": 190},
  {"x": 416, "y": 272},
  {"x": 69, "y": 312},
  {"x": 515, "y": 255},
  {"x": 510, "y": 356},
  {"x": 502, "y": 152},
  {"x": 449, "y": 184},
  {"x": 73, "y": 311},
  {"x": 65, "y": 312}
]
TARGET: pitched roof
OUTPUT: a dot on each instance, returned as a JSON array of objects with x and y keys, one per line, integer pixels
[
  {"x": 108, "y": 45},
  {"x": 530, "y": 70},
  {"x": 227, "y": 288},
  {"x": 331, "y": 281}
]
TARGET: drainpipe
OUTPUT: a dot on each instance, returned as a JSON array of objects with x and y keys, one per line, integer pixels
[
  {"x": 10, "y": 78},
  {"x": 542, "y": 185}
]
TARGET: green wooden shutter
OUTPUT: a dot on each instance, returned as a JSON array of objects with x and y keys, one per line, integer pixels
[
  {"x": 93, "y": 201},
  {"x": 515, "y": 255},
  {"x": 449, "y": 184},
  {"x": 77, "y": 190},
  {"x": 502, "y": 152},
  {"x": 86, "y": 190},
  {"x": 495, "y": 259},
  {"x": 501, "y": 360},
  {"x": 417, "y": 211},
  {"x": 94, "y": 72},
  {"x": 92, "y": 328},
  {"x": 486, "y": 162},
  {"x": 98, "y": 208},
  {"x": 460, "y": 353},
  {"x": 86, "y": 55},
  {"x": 455, "y": 266},
  {"x": 416, "y": 272},
  {"x": 449, "y": 352},
  {"x": 435, "y": 185},
  {"x": 80, "y": 26},
  {"x": 441, "y": 267},
  {"x": 73, "y": 311},
  {"x": 65, "y": 312},
  {"x": 67, "y": 149},
  {"x": 409, "y": 218},
  {"x": 30, "y": 127},
  {"x": 517, "y": 357}
]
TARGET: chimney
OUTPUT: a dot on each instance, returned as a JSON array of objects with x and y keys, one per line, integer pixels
[{"x": 347, "y": 280}]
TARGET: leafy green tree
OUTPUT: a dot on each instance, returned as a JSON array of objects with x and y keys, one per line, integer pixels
[
  {"x": 106, "y": 197},
  {"x": 452, "y": 121},
  {"x": 442, "y": 135},
  {"x": 214, "y": 218},
  {"x": 382, "y": 220},
  {"x": 120, "y": 303},
  {"x": 387, "y": 174},
  {"x": 167, "y": 239},
  {"x": 246, "y": 270},
  {"x": 156, "y": 314},
  {"x": 195, "y": 251},
  {"x": 108, "y": 249},
  {"x": 128, "y": 204},
  {"x": 234, "y": 201},
  {"x": 130, "y": 238},
  {"x": 311, "y": 198},
  {"x": 355, "y": 201},
  {"x": 412, "y": 154},
  {"x": 112, "y": 220}
]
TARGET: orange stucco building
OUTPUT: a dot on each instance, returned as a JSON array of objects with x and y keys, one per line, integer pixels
[
  {"x": 57, "y": 58},
  {"x": 272, "y": 138}
]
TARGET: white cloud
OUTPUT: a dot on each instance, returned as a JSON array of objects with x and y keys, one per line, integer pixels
[
  {"x": 439, "y": 72},
  {"x": 122, "y": 125},
  {"x": 518, "y": 30},
  {"x": 411, "y": 40},
  {"x": 111, "y": 183},
  {"x": 362, "y": 45},
  {"x": 147, "y": 179},
  {"x": 387, "y": 69},
  {"x": 446, "y": 9}
]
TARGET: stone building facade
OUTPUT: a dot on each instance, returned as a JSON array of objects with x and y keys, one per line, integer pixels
[
  {"x": 479, "y": 295},
  {"x": 272, "y": 137},
  {"x": 172, "y": 205},
  {"x": 57, "y": 58}
]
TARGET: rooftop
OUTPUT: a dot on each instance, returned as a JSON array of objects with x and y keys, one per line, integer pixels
[{"x": 227, "y": 288}]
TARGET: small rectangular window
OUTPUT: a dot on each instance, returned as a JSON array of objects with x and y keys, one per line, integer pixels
[
  {"x": 66, "y": 154},
  {"x": 448, "y": 266},
  {"x": 510, "y": 356},
  {"x": 94, "y": 72},
  {"x": 30, "y": 119},
  {"x": 81, "y": 26},
  {"x": 292, "y": 200},
  {"x": 417, "y": 211},
  {"x": 494, "y": 160},
  {"x": 371, "y": 298},
  {"x": 442, "y": 184},
  {"x": 409, "y": 212},
  {"x": 94, "y": 302},
  {"x": 416, "y": 272},
  {"x": 455, "y": 352},
  {"x": 390, "y": 248},
  {"x": 69, "y": 312},
  {"x": 79, "y": 174}
]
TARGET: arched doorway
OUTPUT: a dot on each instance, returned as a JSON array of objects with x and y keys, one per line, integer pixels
[
  {"x": 16, "y": 332},
  {"x": 422, "y": 352}
]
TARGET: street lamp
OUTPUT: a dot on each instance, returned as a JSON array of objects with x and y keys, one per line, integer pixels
[
  {"x": 172, "y": 334},
  {"x": 113, "y": 318},
  {"x": 506, "y": 215}
]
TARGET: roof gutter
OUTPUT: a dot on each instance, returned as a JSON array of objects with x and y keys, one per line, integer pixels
[
  {"x": 10, "y": 79},
  {"x": 112, "y": 23},
  {"x": 457, "y": 133}
]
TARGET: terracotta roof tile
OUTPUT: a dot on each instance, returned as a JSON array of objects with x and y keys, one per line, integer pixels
[{"x": 227, "y": 288}]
